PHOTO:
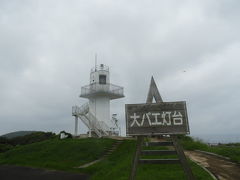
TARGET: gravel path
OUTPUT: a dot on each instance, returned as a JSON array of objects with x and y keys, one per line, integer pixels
[
  {"x": 222, "y": 168},
  {"x": 8, "y": 172}
]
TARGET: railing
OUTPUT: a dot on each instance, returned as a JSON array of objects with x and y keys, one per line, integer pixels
[
  {"x": 101, "y": 88},
  {"x": 85, "y": 120},
  {"x": 99, "y": 127},
  {"x": 80, "y": 110},
  {"x": 100, "y": 67}
]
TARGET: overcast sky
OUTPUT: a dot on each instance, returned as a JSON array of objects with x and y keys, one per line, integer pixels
[{"x": 47, "y": 47}]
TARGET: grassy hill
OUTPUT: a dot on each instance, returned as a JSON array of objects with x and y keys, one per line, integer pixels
[
  {"x": 17, "y": 134},
  {"x": 56, "y": 154},
  {"x": 9, "y": 143},
  {"x": 69, "y": 153}
]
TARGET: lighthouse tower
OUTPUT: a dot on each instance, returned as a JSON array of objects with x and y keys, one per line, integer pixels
[{"x": 96, "y": 113}]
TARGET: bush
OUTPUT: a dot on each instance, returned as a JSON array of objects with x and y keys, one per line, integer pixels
[
  {"x": 7, "y": 144},
  {"x": 5, "y": 147},
  {"x": 32, "y": 138},
  {"x": 190, "y": 144},
  {"x": 4, "y": 140}
]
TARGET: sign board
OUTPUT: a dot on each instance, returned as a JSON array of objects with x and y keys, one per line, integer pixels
[{"x": 157, "y": 118}]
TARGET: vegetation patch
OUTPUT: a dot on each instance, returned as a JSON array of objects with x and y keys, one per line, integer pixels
[
  {"x": 7, "y": 143},
  {"x": 231, "y": 150},
  {"x": 17, "y": 134},
  {"x": 5, "y": 147},
  {"x": 118, "y": 167},
  {"x": 169, "y": 172},
  {"x": 67, "y": 154},
  {"x": 57, "y": 154}
]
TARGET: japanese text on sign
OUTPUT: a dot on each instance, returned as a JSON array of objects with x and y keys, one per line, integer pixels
[{"x": 165, "y": 118}]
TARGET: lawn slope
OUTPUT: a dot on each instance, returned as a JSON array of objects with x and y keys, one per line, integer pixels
[
  {"x": 118, "y": 167},
  {"x": 57, "y": 154},
  {"x": 69, "y": 153}
]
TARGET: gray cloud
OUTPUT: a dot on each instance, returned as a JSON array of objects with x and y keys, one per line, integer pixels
[{"x": 47, "y": 49}]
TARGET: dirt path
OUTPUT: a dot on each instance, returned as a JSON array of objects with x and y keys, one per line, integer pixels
[
  {"x": 221, "y": 168},
  {"x": 8, "y": 172}
]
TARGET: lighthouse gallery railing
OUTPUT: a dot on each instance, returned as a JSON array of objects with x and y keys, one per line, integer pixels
[{"x": 101, "y": 88}]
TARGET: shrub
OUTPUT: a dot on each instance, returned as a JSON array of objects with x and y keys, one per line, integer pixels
[
  {"x": 190, "y": 144},
  {"x": 5, "y": 147},
  {"x": 32, "y": 138},
  {"x": 4, "y": 140}
]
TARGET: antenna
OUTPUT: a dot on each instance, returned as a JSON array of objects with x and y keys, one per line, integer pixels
[{"x": 95, "y": 61}]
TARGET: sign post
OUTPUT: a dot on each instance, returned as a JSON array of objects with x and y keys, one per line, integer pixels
[{"x": 160, "y": 118}]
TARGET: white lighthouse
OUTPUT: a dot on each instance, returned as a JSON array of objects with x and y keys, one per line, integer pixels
[{"x": 96, "y": 113}]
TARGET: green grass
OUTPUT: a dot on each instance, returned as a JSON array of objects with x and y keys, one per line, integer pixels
[
  {"x": 169, "y": 172},
  {"x": 118, "y": 167},
  {"x": 190, "y": 144},
  {"x": 69, "y": 153},
  {"x": 5, "y": 147},
  {"x": 57, "y": 154},
  {"x": 233, "y": 152}
]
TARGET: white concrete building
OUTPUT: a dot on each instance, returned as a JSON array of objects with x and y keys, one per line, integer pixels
[{"x": 96, "y": 113}]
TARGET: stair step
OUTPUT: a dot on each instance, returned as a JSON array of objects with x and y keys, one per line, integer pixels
[
  {"x": 157, "y": 152},
  {"x": 159, "y": 161},
  {"x": 110, "y": 151},
  {"x": 164, "y": 143}
]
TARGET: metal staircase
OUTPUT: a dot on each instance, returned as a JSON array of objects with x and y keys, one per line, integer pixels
[{"x": 100, "y": 128}]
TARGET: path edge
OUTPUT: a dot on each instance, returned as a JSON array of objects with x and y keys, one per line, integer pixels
[
  {"x": 219, "y": 156},
  {"x": 209, "y": 172}
]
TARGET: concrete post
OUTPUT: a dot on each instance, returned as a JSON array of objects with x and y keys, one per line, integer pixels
[
  {"x": 76, "y": 126},
  {"x": 90, "y": 132}
]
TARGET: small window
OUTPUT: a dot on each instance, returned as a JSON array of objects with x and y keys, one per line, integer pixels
[{"x": 102, "y": 79}]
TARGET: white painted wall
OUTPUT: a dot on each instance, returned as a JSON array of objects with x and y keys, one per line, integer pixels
[
  {"x": 100, "y": 107},
  {"x": 94, "y": 76}
]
